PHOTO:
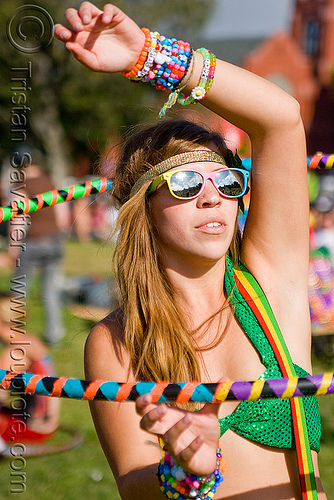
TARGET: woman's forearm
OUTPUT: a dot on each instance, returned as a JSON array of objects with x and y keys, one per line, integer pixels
[
  {"x": 140, "y": 484},
  {"x": 248, "y": 101}
]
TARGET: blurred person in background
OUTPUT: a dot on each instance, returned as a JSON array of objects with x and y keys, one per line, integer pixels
[{"x": 43, "y": 249}]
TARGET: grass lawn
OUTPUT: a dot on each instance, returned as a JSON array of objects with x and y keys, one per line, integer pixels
[{"x": 83, "y": 473}]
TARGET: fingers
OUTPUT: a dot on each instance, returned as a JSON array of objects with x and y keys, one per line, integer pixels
[
  {"x": 176, "y": 438},
  {"x": 152, "y": 415},
  {"x": 181, "y": 433},
  {"x": 108, "y": 13},
  {"x": 144, "y": 404},
  {"x": 151, "y": 421},
  {"x": 65, "y": 34},
  {"x": 160, "y": 419},
  {"x": 181, "y": 443},
  {"x": 188, "y": 453},
  {"x": 79, "y": 19},
  {"x": 86, "y": 12},
  {"x": 62, "y": 33},
  {"x": 73, "y": 19}
]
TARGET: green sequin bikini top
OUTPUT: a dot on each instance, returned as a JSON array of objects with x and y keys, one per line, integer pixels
[{"x": 268, "y": 422}]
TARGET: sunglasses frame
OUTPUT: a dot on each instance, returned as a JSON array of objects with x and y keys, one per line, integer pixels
[{"x": 166, "y": 176}]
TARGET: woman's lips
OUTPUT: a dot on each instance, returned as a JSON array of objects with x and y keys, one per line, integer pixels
[{"x": 212, "y": 227}]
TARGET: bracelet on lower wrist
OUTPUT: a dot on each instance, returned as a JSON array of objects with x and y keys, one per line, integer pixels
[{"x": 176, "y": 483}]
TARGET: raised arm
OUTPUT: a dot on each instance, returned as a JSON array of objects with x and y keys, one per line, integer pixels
[
  {"x": 276, "y": 233},
  {"x": 277, "y": 226},
  {"x": 275, "y": 245}
]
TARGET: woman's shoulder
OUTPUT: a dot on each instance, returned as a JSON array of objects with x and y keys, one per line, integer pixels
[
  {"x": 110, "y": 327},
  {"x": 105, "y": 352}
]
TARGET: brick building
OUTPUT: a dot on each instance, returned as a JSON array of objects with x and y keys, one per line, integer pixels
[{"x": 302, "y": 63}]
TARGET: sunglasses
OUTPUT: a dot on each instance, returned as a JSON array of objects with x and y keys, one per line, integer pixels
[{"x": 188, "y": 184}]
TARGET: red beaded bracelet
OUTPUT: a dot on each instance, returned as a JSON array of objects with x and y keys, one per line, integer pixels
[{"x": 143, "y": 56}]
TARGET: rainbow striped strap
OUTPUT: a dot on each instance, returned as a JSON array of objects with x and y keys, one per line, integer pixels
[{"x": 257, "y": 301}]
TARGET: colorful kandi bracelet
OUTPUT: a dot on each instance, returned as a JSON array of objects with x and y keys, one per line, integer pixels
[
  {"x": 143, "y": 56},
  {"x": 165, "y": 62},
  {"x": 206, "y": 80},
  {"x": 176, "y": 483}
]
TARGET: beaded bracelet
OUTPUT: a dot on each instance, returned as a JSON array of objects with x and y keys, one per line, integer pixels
[
  {"x": 143, "y": 56},
  {"x": 176, "y": 483},
  {"x": 173, "y": 96},
  {"x": 152, "y": 51},
  {"x": 163, "y": 61},
  {"x": 206, "y": 80},
  {"x": 170, "y": 65},
  {"x": 183, "y": 84}
]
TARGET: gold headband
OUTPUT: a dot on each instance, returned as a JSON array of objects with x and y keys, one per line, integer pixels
[{"x": 176, "y": 161}]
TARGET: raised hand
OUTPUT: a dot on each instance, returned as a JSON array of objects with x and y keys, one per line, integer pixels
[
  {"x": 107, "y": 41},
  {"x": 191, "y": 437}
]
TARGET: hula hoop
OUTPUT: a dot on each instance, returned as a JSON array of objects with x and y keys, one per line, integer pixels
[
  {"x": 164, "y": 392},
  {"x": 75, "y": 191},
  {"x": 54, "y": 197},
  {"x": 33, "y": 450}
]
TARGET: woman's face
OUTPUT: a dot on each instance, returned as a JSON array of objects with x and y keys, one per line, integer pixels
[{"x": 194, "y": 232}]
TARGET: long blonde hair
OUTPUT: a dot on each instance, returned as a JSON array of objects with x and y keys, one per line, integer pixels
[{"x": 155, "y": 333}]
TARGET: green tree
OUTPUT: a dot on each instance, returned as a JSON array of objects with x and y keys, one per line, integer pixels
[{"x": 70, "y": 111}]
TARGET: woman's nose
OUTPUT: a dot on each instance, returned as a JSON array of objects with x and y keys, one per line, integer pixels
[{"x": 209, "y": 196}]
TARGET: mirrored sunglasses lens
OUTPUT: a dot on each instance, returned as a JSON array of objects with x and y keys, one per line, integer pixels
[
  {"x": 230, "y": 182},
  {"x": 186, "y": 184}
]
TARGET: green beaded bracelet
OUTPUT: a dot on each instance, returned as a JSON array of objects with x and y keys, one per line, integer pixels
[{"x": 205, "y": 82}]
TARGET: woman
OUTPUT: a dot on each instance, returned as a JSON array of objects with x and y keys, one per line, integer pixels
[{"x": 177, "y": 318}]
